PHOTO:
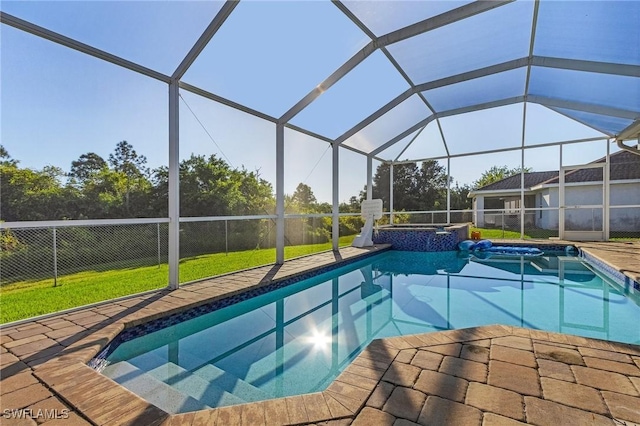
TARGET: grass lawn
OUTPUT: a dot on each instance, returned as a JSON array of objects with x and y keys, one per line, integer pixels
[
  {"x": 491, "y": 233},
  {"x": 27, "y": 299}
]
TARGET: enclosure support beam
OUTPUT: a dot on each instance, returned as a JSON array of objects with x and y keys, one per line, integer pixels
[
  {"x": 391, "y": 193},
  {"x": 206, "y": 36},
  {"x": 532, "y": 40},
  {"x": 438, "y": 21},
  {"x": 421, "y": 125},
  {"x": 588, "y": 66},
  {"x": 174, "y": 185},
  {"x": 470, "y": 75},
  {"x": 580, "y": 106},
  {"x": 410, "y": 142},
  {"x": 42, "y": 32},
  {"x": 448, "y": 190},
  {"x": 216, "y": 98},
  {"x": 377, "y": 114},
  {"x": 280, "y": 194},
  {"x": 369, "y": 178},
  {"x": 522, "y": 211},
  {"x": 493, "y": 151},
  {"x": 335, "y": 209},
  {"x": 606, "y": 199},
  {"x": 329, "y": 81},
  {"x": 429, "y": 24},
  {"x": 560, "y": 196}
]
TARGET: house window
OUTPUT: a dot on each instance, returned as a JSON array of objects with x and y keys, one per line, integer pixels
[{"x": 511, "y": 205}]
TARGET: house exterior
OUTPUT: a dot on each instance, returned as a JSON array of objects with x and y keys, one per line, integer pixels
[{"x": 498, "y": 204}]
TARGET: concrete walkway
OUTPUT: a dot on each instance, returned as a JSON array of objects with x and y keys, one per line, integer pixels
[
  {"x": 495, "y": 375},
  {"x": 623, "y": 256}
]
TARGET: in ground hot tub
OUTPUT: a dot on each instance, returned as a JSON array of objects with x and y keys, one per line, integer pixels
[{"x": 421, "y": 237}]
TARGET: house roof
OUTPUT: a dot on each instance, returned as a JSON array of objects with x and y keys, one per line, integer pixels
[
  {"x": 624, "y": 165},
  {"x": 513, "y": 182}
]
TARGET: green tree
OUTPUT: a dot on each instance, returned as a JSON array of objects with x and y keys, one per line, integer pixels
[
  {"x": 303, "y": 197},
  {"x": 353, "y": 206},
  {"x": 432, "y": 186},
  {"x": 120, "y": 191},
  {"x": 103, "y": 196},
  {"x": 125, "y": 160},
  {"x": 210, "y": 187},
  {"x": 87, "y": 167},
  {"x": 414, "y": 188},
  {"x": 29, "y": 194},
  {"x": 5, "y": 158},
  {"x": 459, "y": 199},
  {"x": 495, "y": 174}
]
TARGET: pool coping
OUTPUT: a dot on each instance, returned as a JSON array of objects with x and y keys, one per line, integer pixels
[{"x": 66, "y": 374}]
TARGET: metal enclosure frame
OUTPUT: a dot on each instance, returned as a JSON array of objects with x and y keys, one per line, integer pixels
[{"x": 174, "y": 84}]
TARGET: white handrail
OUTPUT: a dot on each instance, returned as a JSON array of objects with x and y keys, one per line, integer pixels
[
  {"x": 71, "y": 223},
  {"x": 143, "y": 221},
  {"x": 223, "y": 218}
]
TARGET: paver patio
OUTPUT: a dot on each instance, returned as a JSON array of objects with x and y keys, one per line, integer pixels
[{"x": 492, "y": 375}]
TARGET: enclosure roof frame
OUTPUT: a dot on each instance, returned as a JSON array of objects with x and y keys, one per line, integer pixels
[{"x": 377, "y": 43}]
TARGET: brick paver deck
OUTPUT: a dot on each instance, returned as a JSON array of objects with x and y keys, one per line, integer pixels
[{"x": 493, "y": 375}]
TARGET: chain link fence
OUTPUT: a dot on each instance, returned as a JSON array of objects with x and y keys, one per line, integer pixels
[
  {"x": 436, "y": 217},
  {"x": 433, "y": 217},
  {"x": 225, "y": 236},
  {"x": 506, "y": 224},
  {"x": 461, "y": 216},
  {"x": 307, "y": 235},
  {"x": 214, "y": 247},
  {"x": 624, "y": 222},
  {"x": 543, "y": 223},
  {"x": 350, "y": 225},
  {"x": 32, "y": 254}
]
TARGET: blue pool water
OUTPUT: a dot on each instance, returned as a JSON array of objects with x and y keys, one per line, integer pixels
[{"x": 297, "y": 339}]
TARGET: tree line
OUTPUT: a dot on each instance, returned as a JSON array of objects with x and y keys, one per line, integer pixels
[{"x": 123, "y": 186}]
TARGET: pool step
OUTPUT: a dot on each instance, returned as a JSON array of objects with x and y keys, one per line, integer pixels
[
  {"x": 208, "y": 392},
  {"x": 153, "y": 390},
  {"x": 222, "y": 379},
  {"x": 207, "y": 383},
  {"x": 183, "y": 380},
  {"x": 230, "y": 383}
]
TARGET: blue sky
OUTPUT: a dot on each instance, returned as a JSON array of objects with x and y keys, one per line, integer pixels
[{"x": 58, "y": 104}]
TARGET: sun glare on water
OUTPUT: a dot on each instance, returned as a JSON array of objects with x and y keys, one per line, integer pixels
[{"x": 319, "y": 340}]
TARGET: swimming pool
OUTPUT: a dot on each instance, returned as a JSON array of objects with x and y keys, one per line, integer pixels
[{"x": 297, "y": 339}]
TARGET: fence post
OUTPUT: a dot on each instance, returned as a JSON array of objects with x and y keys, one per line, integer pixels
[
  {"x": 55, "y": 258},
  {"x": 502, "y": 220},
  {"x": 226, "y": 238},
  {"x": 159, "y": 259}
]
